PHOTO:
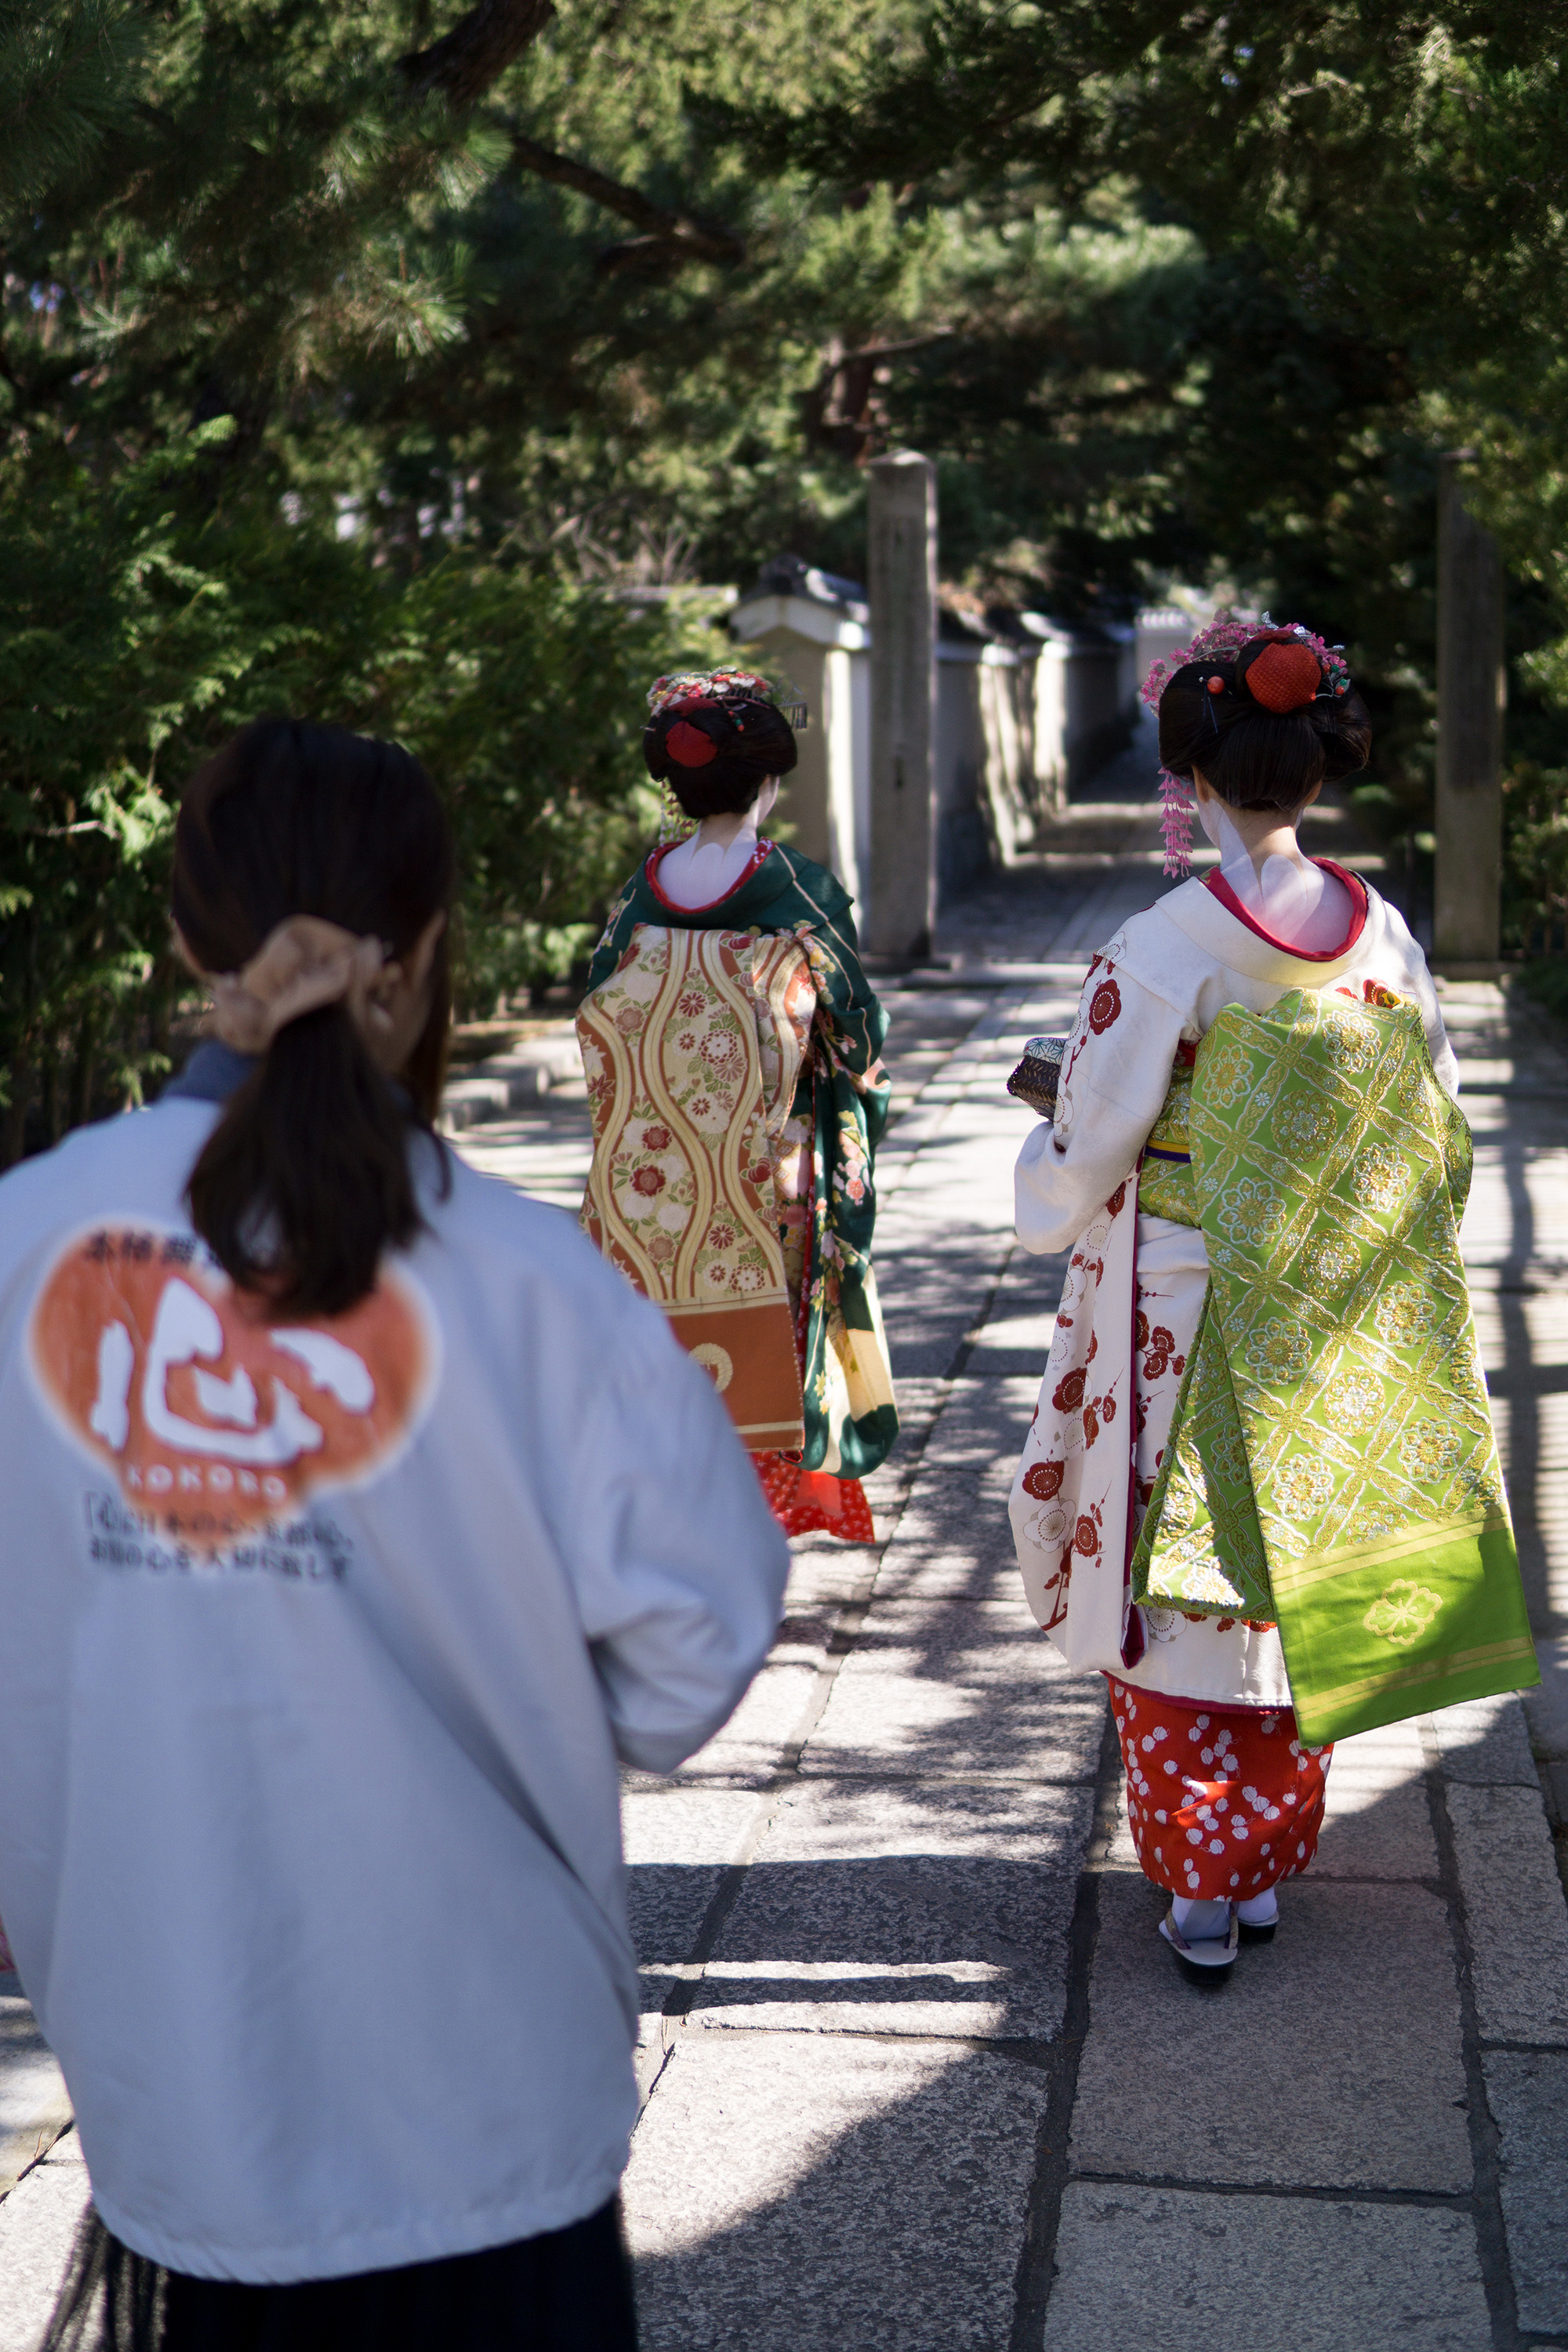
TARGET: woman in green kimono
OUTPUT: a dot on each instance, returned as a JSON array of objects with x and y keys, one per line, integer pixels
[{"x": 732, "y": 1044}]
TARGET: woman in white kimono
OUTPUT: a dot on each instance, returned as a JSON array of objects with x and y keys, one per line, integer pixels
[{"x": 1223, "y": 1797}]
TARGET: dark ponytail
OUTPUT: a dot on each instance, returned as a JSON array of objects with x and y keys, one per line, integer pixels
[{"x": 305, "y": 1181}]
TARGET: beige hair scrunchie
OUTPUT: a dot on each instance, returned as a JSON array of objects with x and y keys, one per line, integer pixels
[{"x": 303, "y": 963}]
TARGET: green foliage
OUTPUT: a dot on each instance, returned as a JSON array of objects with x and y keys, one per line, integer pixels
[
  {"x": 1535, "y": 846},
  {"x": 129, "y": 638},
  {"x": 1373, "y": 204},
  {"x": 138, "y": 633},
  {"x": 527, "y": 697},
  {"x": 245, "y": 222},
  {"x": 65, "y": 78},
  {"x": 1171, "y": 294},
  {"x": 1544, "y": 979}
]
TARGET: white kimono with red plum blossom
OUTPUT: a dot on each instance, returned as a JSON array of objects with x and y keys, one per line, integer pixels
[{"x": 1136, "y": 1283}]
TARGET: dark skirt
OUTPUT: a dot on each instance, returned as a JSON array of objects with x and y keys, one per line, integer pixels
[{"x": 567, "y": 2291}]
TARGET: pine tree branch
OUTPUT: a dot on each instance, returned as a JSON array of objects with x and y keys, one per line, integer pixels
[
  {"x": 668, "y": 235},
  {"x": 65, "y": 78},
  {"x": 841, "y": 411},
  {"x": 478, "y": 50}
]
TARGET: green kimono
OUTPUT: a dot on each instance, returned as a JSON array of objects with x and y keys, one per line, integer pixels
[{"x": 843, "y": 1096}]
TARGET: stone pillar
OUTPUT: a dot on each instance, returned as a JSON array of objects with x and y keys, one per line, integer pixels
[
  {"x": 901, "y": 588},
  {"x": 1470, "y": 694}
]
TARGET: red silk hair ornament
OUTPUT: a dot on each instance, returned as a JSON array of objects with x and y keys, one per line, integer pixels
[
  {"x": 1284, "y": 677},
  {"x": 688, "y": 747}
]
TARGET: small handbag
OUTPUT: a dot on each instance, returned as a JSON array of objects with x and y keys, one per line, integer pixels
[{"x": 1034, "y": 1079}]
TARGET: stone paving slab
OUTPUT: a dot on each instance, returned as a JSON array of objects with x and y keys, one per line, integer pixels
[
  {"x": 545, "y": 1152},
  {"x": 895, "y": 1908},
  {"x": 836, "y": 2195},
  {"x": 971, "y": 1694},
  {"x": 921, "y": 1404},
  {"x": 768, "y": 1718},
  {"x": 1487, "y": 1741},
  {"x": 958, "y": 1506},
  {"x": 1170, "y": 2270},
  {"x": 953, "y": 1534},
  {"x": 679, "y": 1840},
  {"x": 1377, "y": 1815},
  {"x": 38, "y": 2223},
  {"x": 1546, "y": 1714},
  {"x": 825, "y": 1578},
  {"x": 977, "y": 1566},
  {"x": 1528, "y": 2095},
  {"x": 940, "y": 1299},
  {"x": 966, "y": 1473},
  {"x": 1015, "y": 1340},
  {"x": 34, "y": 2105},
  {"x": 1516, "y": 1922},
  {"x": 1333, "y": 2060}
]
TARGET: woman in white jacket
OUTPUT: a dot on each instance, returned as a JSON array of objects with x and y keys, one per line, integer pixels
[{"x": 343, "y": 1558}]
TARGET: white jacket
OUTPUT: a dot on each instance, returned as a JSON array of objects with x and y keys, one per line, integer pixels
[{"x": 317, "y": 1649}]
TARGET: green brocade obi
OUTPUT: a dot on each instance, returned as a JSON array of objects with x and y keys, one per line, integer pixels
[
  {"x": 1165, "y": 1177},
  {"x": 1331, "y": 1464}
]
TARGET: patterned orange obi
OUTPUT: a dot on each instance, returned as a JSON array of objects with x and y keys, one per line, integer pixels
[{"x": 693, "y": 1049}]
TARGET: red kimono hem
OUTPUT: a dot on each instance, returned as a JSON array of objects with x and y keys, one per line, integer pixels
[
  {"x": 803, "y": 1501},
  {"x": 1223, "y": 1801}
]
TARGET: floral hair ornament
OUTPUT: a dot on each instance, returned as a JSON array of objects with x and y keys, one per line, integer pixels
[
  {"x": 727, "y": 685},
  {"x": 688, "y": 745},
  {"x": 1222, "y": 639}
]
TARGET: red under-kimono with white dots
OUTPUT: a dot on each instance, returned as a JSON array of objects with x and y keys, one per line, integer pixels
[{"x": 1223, "y": 1801}]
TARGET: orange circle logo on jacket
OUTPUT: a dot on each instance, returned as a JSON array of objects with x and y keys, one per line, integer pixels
[{"x": 213, "y": 1419}]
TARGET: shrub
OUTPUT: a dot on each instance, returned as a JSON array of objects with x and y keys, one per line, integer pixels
[{"x": 141, "y": 622}]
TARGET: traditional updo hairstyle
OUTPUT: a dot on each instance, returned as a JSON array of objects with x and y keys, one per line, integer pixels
[
  {"x": 306, "y": 1180},
  {"x": 716, "y": 753},
  {"x": 1264, "y": 723}
]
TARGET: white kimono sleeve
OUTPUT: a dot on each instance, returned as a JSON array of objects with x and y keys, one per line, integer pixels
[
  {"x": 1115, "y": 1075},
  {"x": 1415, "y": 981}
]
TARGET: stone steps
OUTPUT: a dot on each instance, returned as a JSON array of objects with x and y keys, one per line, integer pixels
[{"x": 505, "y": 1082}]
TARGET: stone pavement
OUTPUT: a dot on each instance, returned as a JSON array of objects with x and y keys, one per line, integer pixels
[{"x": 917, "y": 2074}]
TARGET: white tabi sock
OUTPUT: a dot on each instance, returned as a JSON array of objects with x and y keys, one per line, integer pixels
[
  {"x": 1200, "y": 1922},
  {"x": 1260, "y": 1910}
]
